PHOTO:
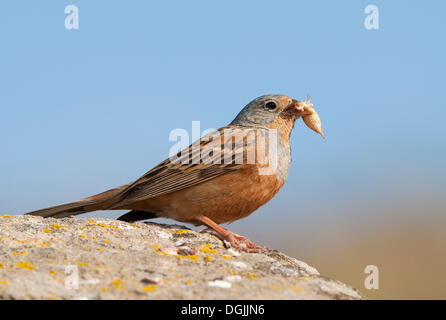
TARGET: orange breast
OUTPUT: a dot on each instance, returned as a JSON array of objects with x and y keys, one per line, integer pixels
[{"x": 224, "y": 199}]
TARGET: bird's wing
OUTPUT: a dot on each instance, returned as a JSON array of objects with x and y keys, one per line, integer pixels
[{"x": 218, "y": 153}]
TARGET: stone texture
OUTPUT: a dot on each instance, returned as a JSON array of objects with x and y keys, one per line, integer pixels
[{"x": 76, "y": 258}]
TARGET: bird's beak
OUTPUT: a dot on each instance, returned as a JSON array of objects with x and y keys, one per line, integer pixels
[{"x": 297, "y": 108}]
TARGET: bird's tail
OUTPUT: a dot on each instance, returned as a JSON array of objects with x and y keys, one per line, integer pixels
[{"x": 100, "y": 201}]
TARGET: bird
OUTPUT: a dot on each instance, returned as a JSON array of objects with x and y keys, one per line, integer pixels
[{"x": 220, "y": 178}]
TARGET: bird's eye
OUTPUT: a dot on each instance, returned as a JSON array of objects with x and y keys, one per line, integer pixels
[{"x": 271, "y": 106}]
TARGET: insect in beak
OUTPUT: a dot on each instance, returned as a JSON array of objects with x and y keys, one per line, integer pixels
[{"x": 298, "y": 108}]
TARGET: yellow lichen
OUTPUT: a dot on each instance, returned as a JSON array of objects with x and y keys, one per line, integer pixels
[
  {"x": 117, "y": 284},
  {"x": 25, "y": 265},
  {"x": 253, "y": 276},
  {"x": 103, "y": 289},
  {"x": 106, "y": 226},
  {"x": 206, "y": 248},
  {"x": 81, "y": 264},
  {"x": 193, "y": 257},
  {"x": 228, "y": 257},
  {"x": 188, "y": 281},
  {"x": 158, "y": 249},
  {"x": 296, "y": 289},
  {"x": 100, "y": 267},
  {"x": 53, "y": 272},
  {"x": 57, "y": 226},
  {"x": 181, "y": 231},
  {"x": 208, "y": 258},
  {"x": 21, "y": 253},
  {"x": 46, "y": 230},
  {"x": 107, "y": 241},
  {"x": 45, "y": 244},
  {"x": 149, "y": 288}
]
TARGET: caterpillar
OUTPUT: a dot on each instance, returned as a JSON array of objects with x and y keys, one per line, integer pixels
[{"x": 312, "y": 120}]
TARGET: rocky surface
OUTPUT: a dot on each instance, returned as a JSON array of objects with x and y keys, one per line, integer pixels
[{"x": 76, "y": 258}]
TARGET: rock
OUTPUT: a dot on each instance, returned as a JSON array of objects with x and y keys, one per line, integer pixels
[{"x": 76, "y": 258}]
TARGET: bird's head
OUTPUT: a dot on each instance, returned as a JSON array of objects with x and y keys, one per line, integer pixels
[{"x": 271, "y": 111}]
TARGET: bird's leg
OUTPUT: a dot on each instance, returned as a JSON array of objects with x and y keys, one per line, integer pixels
[{"x": 236, "y": 241}]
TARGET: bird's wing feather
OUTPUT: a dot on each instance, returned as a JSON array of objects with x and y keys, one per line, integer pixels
[{"x": 193, "y": 165}]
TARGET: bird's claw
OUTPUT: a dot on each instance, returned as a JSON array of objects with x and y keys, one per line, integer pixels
[{"x": 238, "y": 242}]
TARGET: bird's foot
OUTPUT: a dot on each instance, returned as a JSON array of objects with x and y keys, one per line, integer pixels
[{"x": 238, "y": 242}]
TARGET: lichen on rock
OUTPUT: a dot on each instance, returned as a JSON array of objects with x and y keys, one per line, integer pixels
[{"x": 77, "y": 258}]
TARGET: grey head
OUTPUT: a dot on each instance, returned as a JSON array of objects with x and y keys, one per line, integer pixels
[{"x": 264, "y": 111}]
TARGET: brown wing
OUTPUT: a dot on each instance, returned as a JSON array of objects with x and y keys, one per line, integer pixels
[{"x": 218, "y": 153}]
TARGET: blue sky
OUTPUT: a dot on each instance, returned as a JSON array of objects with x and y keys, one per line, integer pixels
[{"x": 86, "y": 110}]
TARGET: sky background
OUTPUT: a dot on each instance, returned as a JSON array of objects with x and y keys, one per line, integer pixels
[{"x": 82, "y": 111}]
